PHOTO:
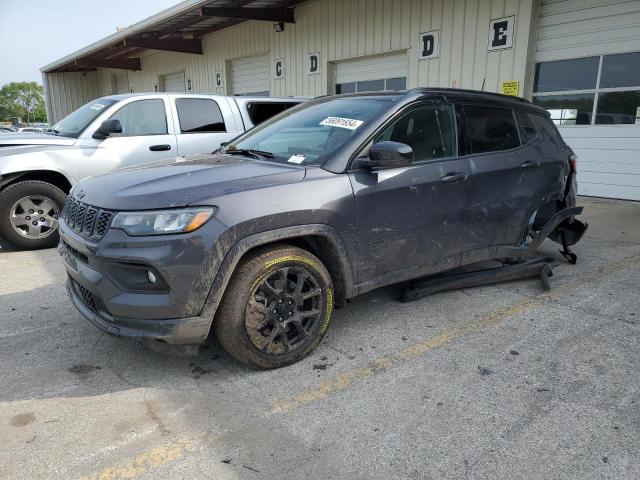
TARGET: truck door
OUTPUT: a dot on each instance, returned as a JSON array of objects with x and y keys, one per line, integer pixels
[
  {"x": 202, "y": 123},
  {"x": 146, "y": 136},
  {"x": 412, "y": 220}
]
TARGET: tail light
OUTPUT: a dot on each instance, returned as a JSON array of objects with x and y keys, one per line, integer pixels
[{"x": 573, "y": 159}]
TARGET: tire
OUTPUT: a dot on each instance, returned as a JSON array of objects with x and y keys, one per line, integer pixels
[
  {"x": 252, "y": 311},
  {"x": 14, "y": 210}
]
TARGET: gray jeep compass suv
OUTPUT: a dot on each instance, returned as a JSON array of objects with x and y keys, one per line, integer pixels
[{"x": 259, "y": 241}]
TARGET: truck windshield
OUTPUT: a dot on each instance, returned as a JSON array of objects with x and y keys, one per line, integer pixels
[
  {"x": 313, "y": 132},
  {"x": 75, "y": 123}
]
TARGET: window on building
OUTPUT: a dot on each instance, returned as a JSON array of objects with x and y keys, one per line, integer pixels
[
  {"x": 602, "y": 90},
  {"x": 577, "y": 74},
  {"x": 199, "y": 115},
  {"x": 142, "y": 117},
  {"x": 261, "y": 111},
  {"x": 574, "y": 109},
  {"x": 428, "y": 130},
  {"x": 618, "y": 108},
  {"x": 392, "y": 84},
  {"x": 622, "y": 70},
  {"x": 490, "y": 129}
]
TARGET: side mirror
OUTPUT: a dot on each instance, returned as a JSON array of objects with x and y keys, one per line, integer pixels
[
  {"x": 387, "y": 155},
  {"x": 107, "y": 128}
]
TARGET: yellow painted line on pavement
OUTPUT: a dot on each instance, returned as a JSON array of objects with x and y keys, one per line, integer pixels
[
  {"x": 347, "y": 379},
  {"x": 381, "y": 364},
  {"x": 145, "y": 462}
]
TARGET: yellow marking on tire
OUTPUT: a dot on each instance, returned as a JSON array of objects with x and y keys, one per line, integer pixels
[
  {"x": 328, "y": 312},
  {"x": 381, "y": 364},
  {"x": 292, "y": 258}
]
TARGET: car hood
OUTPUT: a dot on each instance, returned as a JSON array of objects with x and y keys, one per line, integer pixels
[
  {"x": 182, "y": 181},
  {"x": 13, "y": 140}
]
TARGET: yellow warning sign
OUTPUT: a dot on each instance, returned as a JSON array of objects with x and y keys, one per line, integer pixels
[{"x": 510, "y": 88}]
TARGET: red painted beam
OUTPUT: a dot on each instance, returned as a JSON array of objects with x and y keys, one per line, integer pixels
[
  {"x": 121, "y": 63},
  {"x": 168, "y": 44},
  {"x": 247, "y": 13}
]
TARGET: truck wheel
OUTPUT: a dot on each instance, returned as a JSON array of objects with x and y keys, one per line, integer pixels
[
  {"x": 276, "y": 308},
  {"x": 29, "y": 214}
]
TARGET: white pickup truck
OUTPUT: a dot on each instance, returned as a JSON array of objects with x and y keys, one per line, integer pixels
[{"x": 38, "y": 170}]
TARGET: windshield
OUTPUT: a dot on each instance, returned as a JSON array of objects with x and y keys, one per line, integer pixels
[
  {"x": 75, "y": 123},
  {"x": 311, "y": 134}
]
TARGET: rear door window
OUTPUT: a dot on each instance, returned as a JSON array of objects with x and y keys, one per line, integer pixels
[
  {"x": 547, "y": 129},
  {"x": 261, "y": 111},
  {"x": 528, "y": 130},
  {"x": 199, "y": 115},
  {"x": 490, "y": 129}
]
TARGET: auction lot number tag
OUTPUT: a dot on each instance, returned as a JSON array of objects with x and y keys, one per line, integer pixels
[{"x": 348, "y": 123}]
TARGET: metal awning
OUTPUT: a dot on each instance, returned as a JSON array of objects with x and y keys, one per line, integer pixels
[{"x": 176, "y": 29}]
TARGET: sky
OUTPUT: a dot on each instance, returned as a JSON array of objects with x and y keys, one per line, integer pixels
[{"x": 34, "y": 33}]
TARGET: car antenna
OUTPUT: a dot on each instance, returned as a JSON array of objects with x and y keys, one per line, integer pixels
[{"x": 483, "y": 80}]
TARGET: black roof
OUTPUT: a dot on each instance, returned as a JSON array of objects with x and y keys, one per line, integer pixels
[
  {"x": 448, "y": 92},
  {"x": 469, "y": 93},
  {"x": 460, "y": 94}
]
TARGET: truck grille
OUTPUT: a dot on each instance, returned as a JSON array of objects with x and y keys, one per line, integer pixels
[
  {"x": 91, "y": 301},
  {"x": 88, "y": 221}
]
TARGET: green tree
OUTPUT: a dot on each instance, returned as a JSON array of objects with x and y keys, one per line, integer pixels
[{"x": 22, "y": 99}]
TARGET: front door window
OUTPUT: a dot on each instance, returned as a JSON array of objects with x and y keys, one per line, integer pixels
[{"x": 142, "y": 117}]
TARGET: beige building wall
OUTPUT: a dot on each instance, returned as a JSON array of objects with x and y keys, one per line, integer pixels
[
  {"x": 67, "y": 91},
  {"x": 345, "y": 29}
]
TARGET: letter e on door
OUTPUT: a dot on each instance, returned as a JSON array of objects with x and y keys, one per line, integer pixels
[{"x": 501, "y": 33}]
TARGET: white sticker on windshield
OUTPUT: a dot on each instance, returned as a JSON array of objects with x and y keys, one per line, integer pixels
[
  {"x": 296, "y": 159},
  {"x": 348, "y": 123},
  {"x": 97, "y": 106}
]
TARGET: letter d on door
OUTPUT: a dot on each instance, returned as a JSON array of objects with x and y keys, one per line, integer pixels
[
  {"x": 429, "y": 45},
  {"x": 314, "y": 63}
]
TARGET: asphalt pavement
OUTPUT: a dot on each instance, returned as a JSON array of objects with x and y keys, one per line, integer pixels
[{"x": 498, "y": 382}]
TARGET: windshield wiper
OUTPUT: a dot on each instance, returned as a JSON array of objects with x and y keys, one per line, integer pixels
[
  {"x": 248, "y": 151},
  {"x": 52, "y": 131}
]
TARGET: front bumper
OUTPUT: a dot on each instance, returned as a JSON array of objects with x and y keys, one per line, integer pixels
[
  {"x": 192, "y": 330},
  {"x": 173, "y": 314}
]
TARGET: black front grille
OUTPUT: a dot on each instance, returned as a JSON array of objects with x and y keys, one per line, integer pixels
[
  {"x": 90, "y": 300},
  {"x": 88, "y": 221}
]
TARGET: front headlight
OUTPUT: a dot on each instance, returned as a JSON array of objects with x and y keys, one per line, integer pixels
[{"x": 162, "y": 222}]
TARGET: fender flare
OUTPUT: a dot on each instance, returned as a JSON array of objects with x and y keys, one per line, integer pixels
[
  {"x": 9, "y": 178},
  {"x": 240, "y": 248}
]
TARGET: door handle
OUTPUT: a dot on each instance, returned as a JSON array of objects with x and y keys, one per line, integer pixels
[
  {"x": 530, "y": 164},
  {"x": 454, "y": 177},
  {"x": 160, "y": 148}
]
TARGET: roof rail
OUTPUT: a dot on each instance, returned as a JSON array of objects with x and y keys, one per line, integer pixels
[{"x": 468, "y": 91}]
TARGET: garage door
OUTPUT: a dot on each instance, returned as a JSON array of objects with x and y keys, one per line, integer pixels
[
  {"x": 588, "y": 77},
  {"x": 122, "y": 83},
  {"x": 173, "y": 82},
  {"x": 367, "y": 74},
  {"x": 250, "y": 76}
]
